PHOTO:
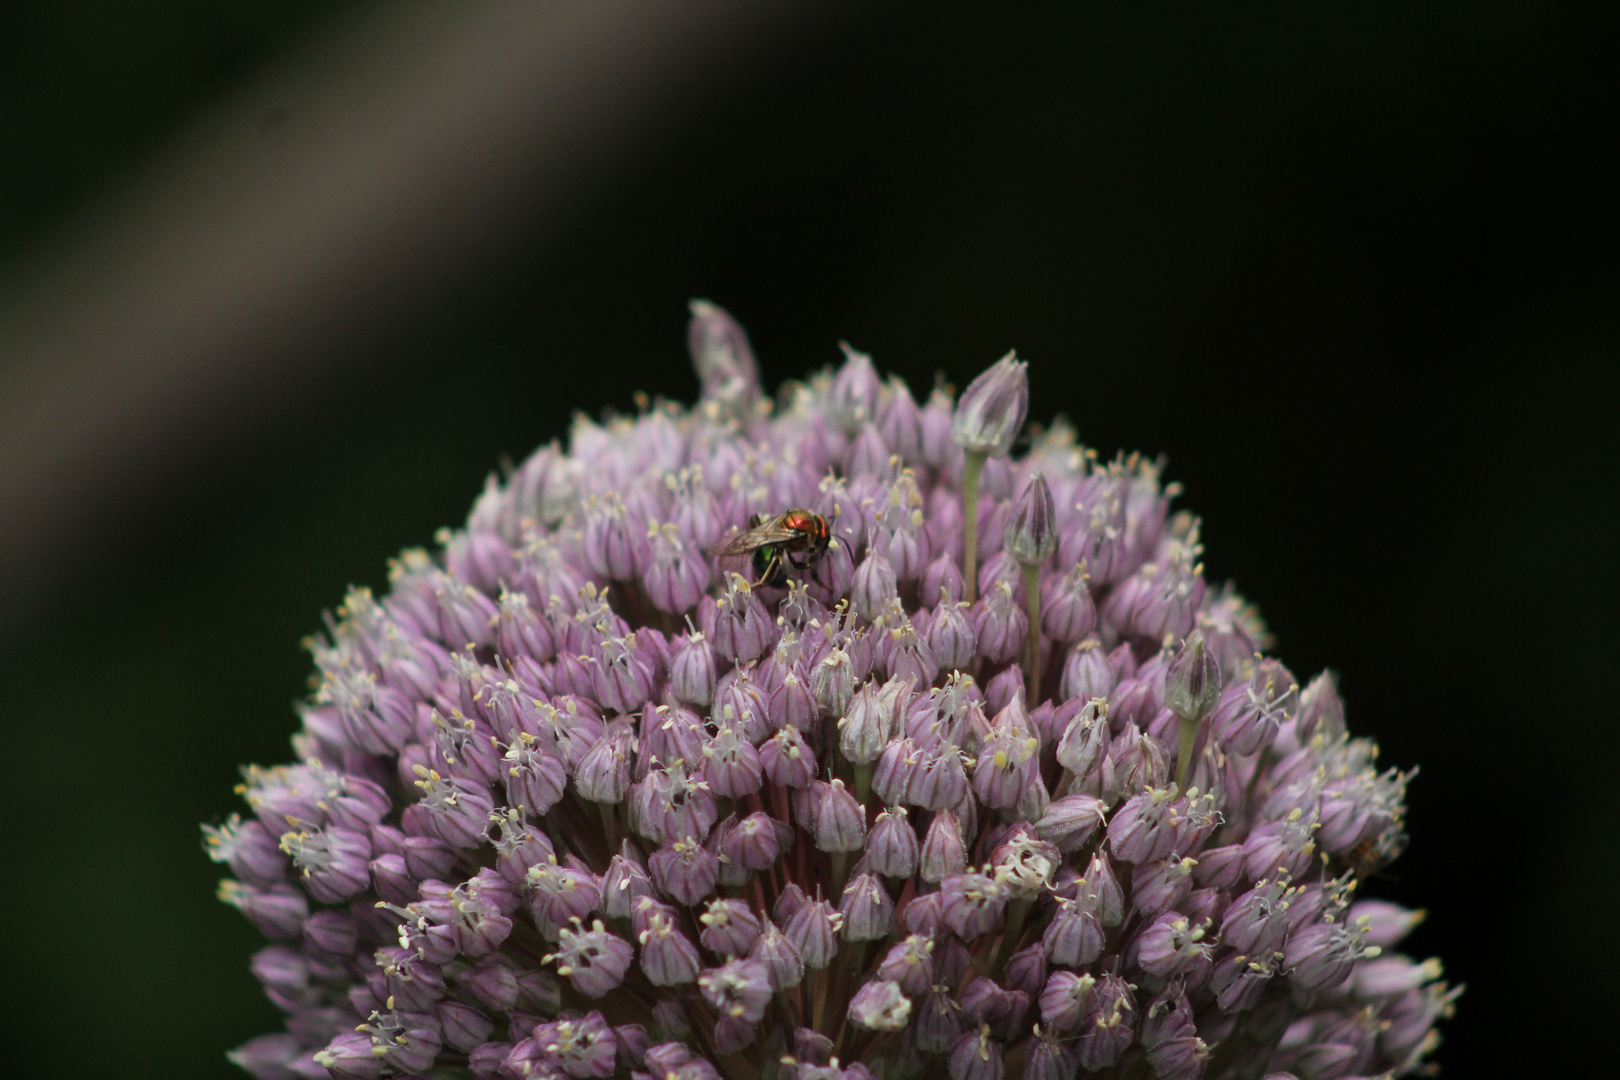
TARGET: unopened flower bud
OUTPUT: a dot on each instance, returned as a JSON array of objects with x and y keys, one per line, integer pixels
[
  {"x": 788, "y": 904},
  {"x": 891, "y": 847},
  {"x": 975, "y": 1055},
  {"x": 269, "y": 1055},
  {"x": 731, "y": 764},
  {"x": 1320, "y": 709},
  {"x": 743, "y": 629},
  {"x": 951, "y": 637},
  {"x": 792, "y": 704},
  {"x": 838, "y": 821},
  {"x": 633, "y": 1044},
  {"x": 1192, "y": 685},
  {"x": 900, "y": 421},
  {"x": 813, "y": 929},
  {"x": 943, "y": 853},
  {"x": 784, "y": 967},
  {"x": 624, "y": 883},
  {"x": 604, "y": 773},
  {"x": 754, "y": 842},
  {"x": 1070, "y": 821},
  {"x": 278, "y": 911},
  {"x": 668, "y": 957},
  {"x": 991, "y": 411},
  {"x": 1086, "y": 674},
  {"x": 685, "y": 870},
  {"x": 938, "y": 1021},
  {"x": 853, "y": 399},
  {"x": 868, "y": 725},
  {"x": 691, "y": 671},
  {"x": 983, "y": 1002},
  {"x": 1050, "y": 1058},
  {"x": 874, "y": 585},
  {"x": 676, "y": 572},
  {"x": 832, "y": 683},
  {"x": 1075, "y": 936},
  {"x": 332, "y": 932},
  {"x": 1030, "y": 535},
  {"x": 723, "y": 359},
  {"x": 786, "y": 759},
  {"x": 491, "y": 983},
  {"x": 1000, "y": 623},
  {"x": 866, "y": 908}
]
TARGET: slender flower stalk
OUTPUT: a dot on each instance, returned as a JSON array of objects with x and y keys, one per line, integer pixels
[
  {"x": 1192, "y": 690},
  {"x": 988, "y": 418},
  {"x": 1031, "y": 538},
  {"x": 972, "y": 465},
  {"x": 1032, "y": 649},
  {"x": 577, "y": 798}
]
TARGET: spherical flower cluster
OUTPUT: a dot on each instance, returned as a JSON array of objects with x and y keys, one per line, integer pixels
[{"x": 992, "y": 784}]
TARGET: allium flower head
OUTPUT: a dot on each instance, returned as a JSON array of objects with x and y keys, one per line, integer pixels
[{"x": 579, "y": 798}]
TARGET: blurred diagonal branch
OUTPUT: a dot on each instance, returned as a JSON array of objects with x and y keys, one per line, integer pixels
[{"x": 321, "y": 209}]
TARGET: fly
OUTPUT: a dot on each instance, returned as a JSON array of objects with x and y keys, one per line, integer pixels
[
  {"x": 1371, "y": 856},
  {"x": 796, "y": 539}
]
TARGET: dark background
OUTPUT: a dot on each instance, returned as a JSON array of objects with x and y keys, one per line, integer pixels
[{"x": 1352, "y": 268}]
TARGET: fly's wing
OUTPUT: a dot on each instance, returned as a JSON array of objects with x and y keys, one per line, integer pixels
[{"x": 769, "y": 533}]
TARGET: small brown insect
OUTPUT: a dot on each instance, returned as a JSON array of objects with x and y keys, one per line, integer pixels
[
  {"x": 796, "y": 539},
  {"x": 1370, "y": 856}
]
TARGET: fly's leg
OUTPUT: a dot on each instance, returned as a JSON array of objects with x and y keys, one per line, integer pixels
[{"x": 773, "y": 575}]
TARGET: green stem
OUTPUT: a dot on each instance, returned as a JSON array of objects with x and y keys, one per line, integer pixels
[
  {"x": 1032, "y": 666},
  {"x": 784, "y": 1016},
  {"x": 1017, "y": 910},
  {"x": 863, "y": 782},
  {"x": 1189, "y": 735},
  {"x": 818, "y": 1015},
  {"x": 610, "y": 827},
  {"x": 970, "y": 509}
]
